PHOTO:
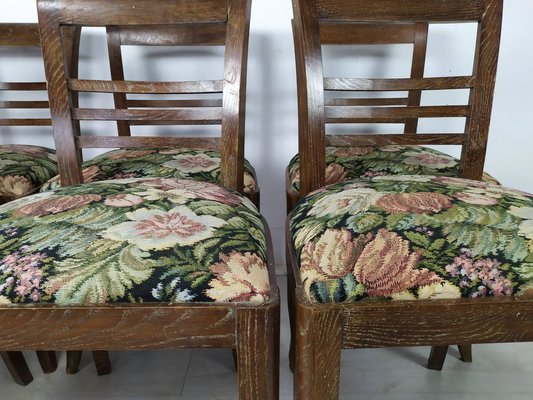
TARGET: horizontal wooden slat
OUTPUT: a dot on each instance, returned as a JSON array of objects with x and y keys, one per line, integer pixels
[
  {"x": 206, "y": 115},
  {"x": 389, "y": 101},
  {"x": 22, "y": 86},
  {"x": 138, "y": 12},
  {"x": 174, "y": 35},
  {"x": 139, "y": 87},
  {"x": 366, "y": 84},
  {"x": 405, "y": 10},
  {"x": 147, "y": 103},
  {"x": 437, "y": 322},
  {"x": 116, "y": 327},
  {"x": 391, "y": 114},
  {"x": 24, "y": 104},
  {"x": 360, "y": 33},
  {"x": 19, "y": 35},
  {"x": 25, "y": 122},
  {"x": 402, "y": 139},
  {"x": 211, "y": 143}
]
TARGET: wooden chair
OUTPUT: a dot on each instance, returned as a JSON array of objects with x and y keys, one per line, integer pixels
[
  {"x": 378, "y": 238},
  {"x": 355, "y": 158},
  {"x": 195, "y": 267},
  {"x": 27, "y": 167}
]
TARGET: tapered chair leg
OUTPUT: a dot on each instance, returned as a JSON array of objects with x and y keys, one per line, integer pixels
[
  {"x": 318, "y": 353},
  {"x": 102, "y": 362},
  {"x": 48, "y": 361},
  {"x": 258, "y": 353},
  {"x": 17, "y": 367},
  {"x": 290, "y": 305},
  {"x": 437, "y": 357},
  {"x": 73, "y": 361},
  {"x": 465, "y": 351}
]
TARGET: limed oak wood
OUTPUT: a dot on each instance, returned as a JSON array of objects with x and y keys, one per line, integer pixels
[
  {"x": 239, "y": 326},
  {"x": 435, "y": 323}
]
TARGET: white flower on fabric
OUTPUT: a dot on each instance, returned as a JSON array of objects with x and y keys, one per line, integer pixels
[
  {"x": 351, "y": 201},
  {"x": 158, "y": 229},
  {"x": 193, "y": 163},
  {"x": 526, "y": 227}
]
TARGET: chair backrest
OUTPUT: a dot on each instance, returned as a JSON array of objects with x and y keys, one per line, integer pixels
[
  {"x": 319, "y": 22},
  {"x": 149, "y": 22},
  {"x": 22, "y": 36},
  {"x": 26, "y": 35}
]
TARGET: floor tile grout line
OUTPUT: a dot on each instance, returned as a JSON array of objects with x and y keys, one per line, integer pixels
[{"x": 186, "y": 374}]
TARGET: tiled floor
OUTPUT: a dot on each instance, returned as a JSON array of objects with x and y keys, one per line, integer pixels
[{"x": 498, "y": 372}]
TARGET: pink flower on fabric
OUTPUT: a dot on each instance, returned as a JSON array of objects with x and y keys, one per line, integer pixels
[
  {"x": 159, "y": 229},
  {"x": 418, "y": 203},
  {"x": 123, "y": 200},
  {"x": 239, "y": 278},
  {"x": 386, "y": 266},
  {"x": 427, "y": 159},
  {"x": 56, "y": 204},
  {"x": 193, "y": 163}
]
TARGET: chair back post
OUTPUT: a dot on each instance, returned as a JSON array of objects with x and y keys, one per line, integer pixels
[
  {"x": 234, "y": 94},
  {"x": 481, "y": 96},
  {"x": 311, "y": 130}
]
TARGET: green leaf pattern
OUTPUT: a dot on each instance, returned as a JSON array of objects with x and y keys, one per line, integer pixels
[
  {"x": 415, "y": 237},
  {"x": 133, "y": 240}
]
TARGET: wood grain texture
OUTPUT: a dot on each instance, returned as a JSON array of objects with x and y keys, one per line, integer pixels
[
  {"x": 318, "y": 352},
  {"x": 390, "y": 114},
  {"x": 148, "y": 141},
  {"x": 189, "y": 116},
  {"x": 367, "y": 84},
  {"x": 100, "y": 86},
  {"x": 117, "y": 327},
  {"x": 19, "y": 34},
  {"x": 401, "y": 139},
  {"x": 405, "y": 10},
  {"x": 364, "y": 33},
  {"x": 213, "y": 34},
  {"x": 438, "y": 322},
  {"x": 135, "y": 12},
  {"x": 257, "y": 346}
]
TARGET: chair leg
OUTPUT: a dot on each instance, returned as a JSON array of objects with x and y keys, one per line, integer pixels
[
  {"x": 290, "y": 304},
  {"x": 258, "y": 353},
  {"x": 318, "y": 353},
  {"x": 73, "y": 361},
  {"x": 102, "y": 362},
  {"x": 437, "y": 357},
  {"x": 465, "y": 351},
  {"x": 48, "y": 361},
  {"x": 17, "y": 367}
]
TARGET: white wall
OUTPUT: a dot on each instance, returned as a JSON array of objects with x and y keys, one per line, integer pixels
[{"x": 271, "y": 104}]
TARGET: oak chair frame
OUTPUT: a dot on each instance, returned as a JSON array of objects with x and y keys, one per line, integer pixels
[
  {"x": 252, "y": 330},
  {"x": 320, "y": 331}
]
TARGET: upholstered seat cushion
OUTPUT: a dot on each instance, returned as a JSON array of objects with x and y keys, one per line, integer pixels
[
  {"x": 23, "y": 169},
  {"x": 201, "y": 165},
  {"x": 131, "y": 241},
  {"x": 413, "y": 237},
  {"x": 344, "y": 163}
]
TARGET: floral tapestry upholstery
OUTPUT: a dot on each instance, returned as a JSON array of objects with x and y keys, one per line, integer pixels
[
  {"x": 413, "y": 237},
  {"x": 201, "y": 165},
  {"x": 344, "y": 163},
  {"x": 132, "y": 241},
  {"x": 24, "y": 169}
]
